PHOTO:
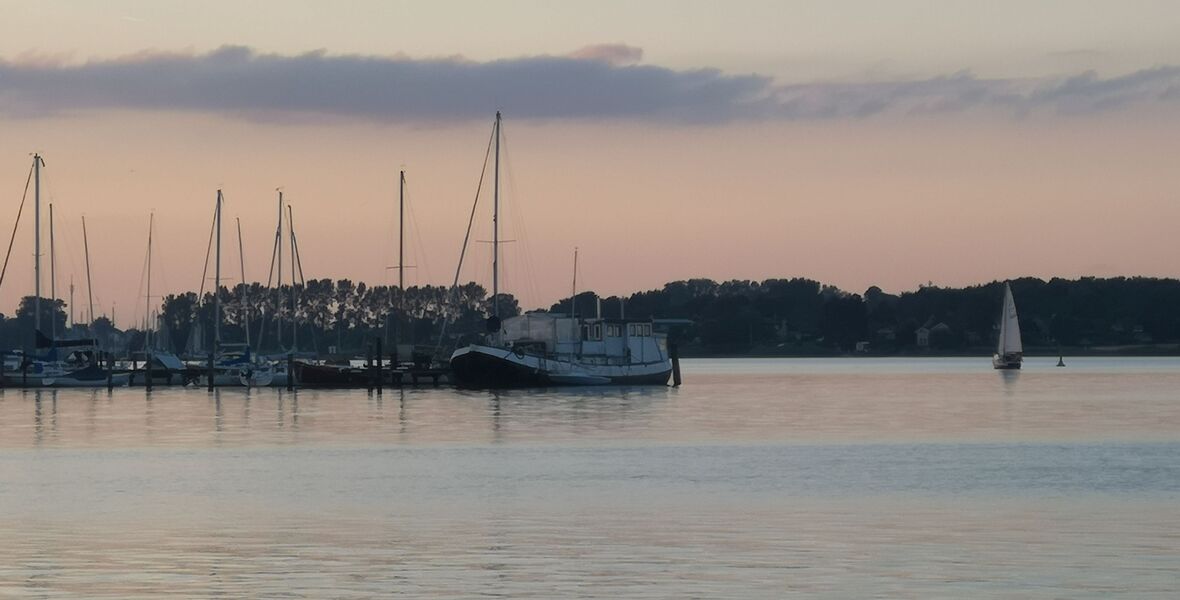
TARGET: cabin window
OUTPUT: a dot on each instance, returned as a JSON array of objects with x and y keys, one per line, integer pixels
[
  {"x": 596, "y": 331},
  {"x": 614, "y": 330},
  {"x": 639, "y": 329}
]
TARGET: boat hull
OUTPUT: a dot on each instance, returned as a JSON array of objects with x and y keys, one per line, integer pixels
[
  {"x": 313, "y": 375},
  {"x": 489, "y": 367},
  {"x": 56, "y": 376},
  {"x": 116, "y": 380},
  {"x": 1007, "y": 362}
]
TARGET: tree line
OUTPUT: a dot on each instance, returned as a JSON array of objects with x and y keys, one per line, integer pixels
[{"x": 772, "y": 317}]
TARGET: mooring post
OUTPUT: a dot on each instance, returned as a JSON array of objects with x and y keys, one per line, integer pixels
[
  {"x": 674, "y": 354},
  {"x": 395, "y": 373},
  {"x": 209, "y": 372},
  {"x": 110, "y": 372},
  {"x": 147, "y": 373},
  {"x": 380, "y": 375},
  {"x": 290, "y": 371},
  {"x": 369, "y": 365}
]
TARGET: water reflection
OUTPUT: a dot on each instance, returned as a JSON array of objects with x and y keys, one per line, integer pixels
[
  {"x": 1009, "y": 378},
  {"x": 829, "y": 482}
]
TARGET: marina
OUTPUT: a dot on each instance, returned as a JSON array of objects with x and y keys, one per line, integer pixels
[{"x": 626, "y": 300}]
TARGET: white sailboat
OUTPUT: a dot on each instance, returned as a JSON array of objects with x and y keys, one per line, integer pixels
[
  {"x": 1009, "y": 351},
  {"x": 542, "y": 349}
]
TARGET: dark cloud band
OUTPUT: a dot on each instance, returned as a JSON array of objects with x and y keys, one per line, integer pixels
[{"x": 592, "y": 83}]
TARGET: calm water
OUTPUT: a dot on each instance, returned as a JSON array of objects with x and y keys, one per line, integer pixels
[{"x": 759, "y": 478}]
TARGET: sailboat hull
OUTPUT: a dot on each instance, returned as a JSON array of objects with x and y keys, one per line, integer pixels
[
  {"x": 490, "y": 367},
  {"x": 1007, "y": 362}
]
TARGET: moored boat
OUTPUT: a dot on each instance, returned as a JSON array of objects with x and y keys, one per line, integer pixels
[{"x": 542, "y": 349}]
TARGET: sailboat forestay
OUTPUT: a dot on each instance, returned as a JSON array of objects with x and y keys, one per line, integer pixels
[{"x": 1009, "y": 351}]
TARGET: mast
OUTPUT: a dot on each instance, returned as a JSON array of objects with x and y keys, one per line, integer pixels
[
  {"x": 401, "y": 234},
  {"x": 279, "y": 283},
  {"x": 574, "y": 288},
  {"x": 1003, "y": 322},
  {"x": 89, "y": 288},
  {"x": 148, "y": 300},
  {"x": 401, "y": 256},
  {"x": 72, "y": 322},
  {"x": 291, "y": 233},
  {"x": 217, "y": 281},
  {"x": 37, "y": 162},
  {"x": 242, "y": 261},
  {"x": 52, "y": 277},
  {"x": 496, "y": 228}
]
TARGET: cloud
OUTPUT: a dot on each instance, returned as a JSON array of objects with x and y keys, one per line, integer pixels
[
  {"x": 614, "y": 54},
  {"x": 603, "y": 81}
]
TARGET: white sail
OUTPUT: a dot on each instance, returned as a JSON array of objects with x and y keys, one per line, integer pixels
[{"x": 1009, "y": 326}]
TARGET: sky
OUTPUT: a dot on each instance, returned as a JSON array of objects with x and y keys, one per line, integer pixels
[{"x": 858, "y": 143}]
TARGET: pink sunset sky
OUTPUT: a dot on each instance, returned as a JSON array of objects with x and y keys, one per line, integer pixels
[{"x": 889, "y": 144}]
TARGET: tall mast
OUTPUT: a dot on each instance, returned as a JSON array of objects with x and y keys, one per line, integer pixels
[
  {"x": 52, "y": 277},
  {"x": 217, "y": 281},
  {"x": 37, "y": 241},
  {"x": 72, "y": 322},
  {"x": 401, "y": 233},
  {"x": 279, "y": 283},
  {"x": 574, "y": 287},
  {"x": 401, "y": 255},
  {"x": 89, "y": 288},
  {"x": 496, "y": 228},
  {"x": 291, "y": 233},
  {"x": 148, "y": 300},
  {"x": 242, "y": 262}
]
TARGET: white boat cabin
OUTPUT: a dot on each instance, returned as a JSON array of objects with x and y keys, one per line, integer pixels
[{"x": 601, "y": 341}]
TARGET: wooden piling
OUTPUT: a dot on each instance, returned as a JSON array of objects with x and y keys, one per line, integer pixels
[
  {"x": 674, "y": 354},
  {"x": 290, "y": 371},
  {"x": 209, "y": 372},
  {"x": 380, "y": 375},
  {"x": 369, "y": 366}
]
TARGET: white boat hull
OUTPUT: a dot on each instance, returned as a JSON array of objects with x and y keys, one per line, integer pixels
[{"x": 492, "y": 367}]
